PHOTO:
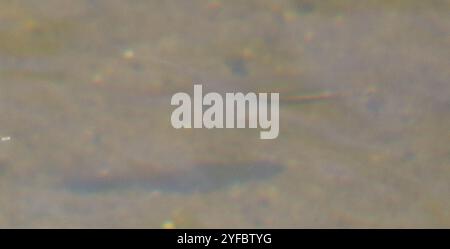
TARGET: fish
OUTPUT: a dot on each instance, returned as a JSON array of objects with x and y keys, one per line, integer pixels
[{"x": 200, "y": 177}]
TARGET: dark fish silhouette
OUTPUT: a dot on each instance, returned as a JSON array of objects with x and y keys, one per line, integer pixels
[{"x": 204, "y": 177}]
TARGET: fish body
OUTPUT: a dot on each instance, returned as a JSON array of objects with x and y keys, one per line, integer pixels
[{"x": 203, "y": 177}]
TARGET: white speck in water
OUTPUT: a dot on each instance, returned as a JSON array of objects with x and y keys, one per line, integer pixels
[{"x": 5, "y": 139}]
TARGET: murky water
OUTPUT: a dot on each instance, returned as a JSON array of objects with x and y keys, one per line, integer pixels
[{"x": 85, "y": 92}]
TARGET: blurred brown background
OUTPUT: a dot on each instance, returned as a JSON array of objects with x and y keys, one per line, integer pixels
[{"x": 85, "y": 89}]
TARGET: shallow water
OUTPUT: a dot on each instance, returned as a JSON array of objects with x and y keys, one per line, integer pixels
[{"x": 85, "y": 91}]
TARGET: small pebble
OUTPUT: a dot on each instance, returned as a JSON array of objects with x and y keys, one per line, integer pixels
[
  {"x": 168, "y": 225},
  {"x": 309, "y": 36},
  {"x": 247, "y": 54},
  {"x": 289, "y": 16},
  {"x": 97, "y": 79},
  {"x": 238, "y": 67},
  {"x": 128, "y": 54},
  {"x": 214, "y": 5}
]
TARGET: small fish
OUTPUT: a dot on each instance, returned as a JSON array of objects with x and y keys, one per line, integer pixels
[{"x": 203, "y": 177}]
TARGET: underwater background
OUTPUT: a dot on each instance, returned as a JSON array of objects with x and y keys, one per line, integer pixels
[{"x": 85, "y": 91}]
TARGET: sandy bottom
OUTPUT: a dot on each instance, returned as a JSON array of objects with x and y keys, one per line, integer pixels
[{"x": 84, "y": 96}]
